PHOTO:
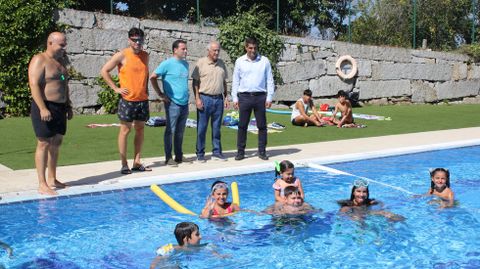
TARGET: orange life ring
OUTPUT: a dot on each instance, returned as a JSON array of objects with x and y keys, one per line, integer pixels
[{"x": 338, "y": 67}]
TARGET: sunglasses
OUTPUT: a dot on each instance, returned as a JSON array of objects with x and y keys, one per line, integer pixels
[
  {"x": 360, "y": 183},
  {"x": 137, "y": 40}
]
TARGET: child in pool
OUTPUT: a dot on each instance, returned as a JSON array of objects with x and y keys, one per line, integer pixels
[
  {"x": 286, "y": 170},
  {"x": 7, "y": 248},
  {"x": 292, "y": 204},
  {"x": 217, "y": 205},
  {"x": 440, "y": 186},
  {"x": 187, "y": 235},
  {"x": 358, "y": 204}
]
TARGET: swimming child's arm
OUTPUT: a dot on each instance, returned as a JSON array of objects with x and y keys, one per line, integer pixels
[
  {"x": 7, "y": 248},
  {"x": 162, "y": 253},
  {"x": 389, "y": 215},
  {"x": 300, "y": 188},
  {"x": 276, "y": 191},
  {"x": 448, "y": 199},
  {"x": 207, "y": 211}
]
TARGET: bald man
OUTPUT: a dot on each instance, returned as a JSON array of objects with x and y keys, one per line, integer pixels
[
  {"x": 210, "y": 89},
  {"x": 51, "y": 107}
]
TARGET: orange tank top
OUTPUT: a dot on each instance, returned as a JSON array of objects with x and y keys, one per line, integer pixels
[{"x": 134, "y": 75}]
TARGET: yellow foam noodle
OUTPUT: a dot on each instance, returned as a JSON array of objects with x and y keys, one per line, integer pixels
[
  {"x": 169, "y": 200},
  {"x": 235, "y": 195}
]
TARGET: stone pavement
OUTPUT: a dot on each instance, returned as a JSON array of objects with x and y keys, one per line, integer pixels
[{"x": 105, "y": 175}]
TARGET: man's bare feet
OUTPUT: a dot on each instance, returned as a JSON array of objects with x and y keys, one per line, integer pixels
[
  {"x": 45, "y": 190},
  {"x": 57, "y": 185}
]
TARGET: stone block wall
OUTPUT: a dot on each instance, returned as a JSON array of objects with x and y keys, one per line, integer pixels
[{"x": 385, "y": 74}]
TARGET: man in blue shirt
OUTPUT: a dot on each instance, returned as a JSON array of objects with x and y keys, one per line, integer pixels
[
  {"x": 252, "y": 90},
  {"x": 174, "y": 75}
]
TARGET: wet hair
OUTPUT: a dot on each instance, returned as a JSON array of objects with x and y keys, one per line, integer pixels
[
  {"x": 177, "y": 43},
  {"x": 251, "y": 41},
  {"x": 433, "y": 172},
  {"x": 307, "y": 92},
  {"x": 349, "y": 202},
  {"x": 289, "y": 190},
  {"x": 282, "y": 167},
  {"x": 341, "y": 93},
  {"x": 184, "y": 230},
  {"x": 136, "y": 32},
  {"x": 220, "y": 184}
]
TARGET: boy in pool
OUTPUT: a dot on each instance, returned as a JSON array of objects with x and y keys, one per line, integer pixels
[
  {"x": 292, "y": 204},
  {"x": 187, "y": 235}
]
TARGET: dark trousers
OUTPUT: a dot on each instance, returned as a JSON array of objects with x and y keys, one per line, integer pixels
[{"x": 247, "y": 103}]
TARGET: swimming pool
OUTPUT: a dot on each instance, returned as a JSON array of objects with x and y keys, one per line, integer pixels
[{"x": 122, "y": 229}]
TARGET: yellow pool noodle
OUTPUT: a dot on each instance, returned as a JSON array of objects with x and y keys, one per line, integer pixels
[
  {"x": 169, "y": 200},
  {"x": 235, "y": 195}
]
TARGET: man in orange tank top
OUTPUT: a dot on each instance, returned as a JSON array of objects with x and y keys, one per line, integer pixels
[{"x": 133, "y": 111}]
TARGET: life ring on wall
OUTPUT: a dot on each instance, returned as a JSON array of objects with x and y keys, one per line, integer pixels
[{"x": 338, "y": 67}]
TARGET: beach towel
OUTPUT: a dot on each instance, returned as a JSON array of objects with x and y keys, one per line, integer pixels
[{"x": 96, "y": 125}]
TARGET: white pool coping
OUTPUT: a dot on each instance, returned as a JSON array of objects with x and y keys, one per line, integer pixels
[{"x": 126, "y": 183}]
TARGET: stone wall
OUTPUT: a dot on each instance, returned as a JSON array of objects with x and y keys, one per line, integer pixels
[{"x": 385, "y": 74}]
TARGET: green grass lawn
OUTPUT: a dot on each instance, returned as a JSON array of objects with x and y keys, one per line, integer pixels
[{"x": 85, "y": 145}]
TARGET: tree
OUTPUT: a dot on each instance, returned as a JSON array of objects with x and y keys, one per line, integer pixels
[
  {"x": 24, "y": 27},
  {"x": 389, "y": 22}
]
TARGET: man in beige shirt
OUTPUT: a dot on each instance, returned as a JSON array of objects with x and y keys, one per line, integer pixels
[{"x": 210, "y": 89}]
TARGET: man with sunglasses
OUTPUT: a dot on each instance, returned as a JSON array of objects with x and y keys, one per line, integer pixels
[{"x": 133, "y": 108}]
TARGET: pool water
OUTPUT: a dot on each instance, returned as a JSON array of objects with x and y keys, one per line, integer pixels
[{"x": 122, "y": 229}]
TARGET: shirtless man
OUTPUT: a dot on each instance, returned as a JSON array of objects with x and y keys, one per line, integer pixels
[
  {"x": 345, "y": 108},
  {"x": 51, "y": 107}
]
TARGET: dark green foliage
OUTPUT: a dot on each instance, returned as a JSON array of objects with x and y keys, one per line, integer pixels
[
  {"x": 252, "y": 23},
  {"x": 24, "y": 27},
  {"x": 107, "y": 97},
  {"x": 390, "y": 22},
  {"x": 472, "y": 51}
]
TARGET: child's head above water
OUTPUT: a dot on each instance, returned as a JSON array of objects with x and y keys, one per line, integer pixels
[
  {"x": 293, "y": 196},
  {"x": 285, "y": 169},
  {"x": 360, "y": 191},
  {"x": 440, "y": 179},
  {"x": 187, "y": 233}
]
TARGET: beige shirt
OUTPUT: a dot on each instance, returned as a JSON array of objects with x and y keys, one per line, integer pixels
[{"x": 211, "y": 75}]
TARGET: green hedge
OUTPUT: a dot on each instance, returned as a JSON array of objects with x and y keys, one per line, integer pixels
[{"x": 25, "y": 25}]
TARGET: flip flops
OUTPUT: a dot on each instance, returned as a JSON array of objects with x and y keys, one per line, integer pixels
[
  {"x": 125, "y": 170},
  {"x": 141, "y": 168}
]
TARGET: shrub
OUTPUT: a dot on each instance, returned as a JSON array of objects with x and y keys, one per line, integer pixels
[
  {"x": 24, "y": 26},
  {"x": 253, "y": 23},
  {"x": 107, "y": 97}
]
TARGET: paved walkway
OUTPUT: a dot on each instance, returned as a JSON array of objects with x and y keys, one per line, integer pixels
[{"x": 15, "y": 184}]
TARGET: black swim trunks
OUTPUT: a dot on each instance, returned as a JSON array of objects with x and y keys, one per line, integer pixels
[
  {"x": 58, "y": 123},
  {"x": 131, "y": 110}
]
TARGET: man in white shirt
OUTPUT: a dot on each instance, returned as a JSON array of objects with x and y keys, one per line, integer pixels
[{"x": 252, "y": 90}]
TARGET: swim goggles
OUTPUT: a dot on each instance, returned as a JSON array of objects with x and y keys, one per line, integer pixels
[
  {"x": 219, "y": 185},
  {"x": 360, "y": 183}
]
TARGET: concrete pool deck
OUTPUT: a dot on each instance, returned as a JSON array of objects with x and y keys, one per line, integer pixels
[{"x": 21, "y": 185}]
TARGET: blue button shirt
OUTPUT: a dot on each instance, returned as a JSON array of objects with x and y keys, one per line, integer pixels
[{"x": 252, "y": 76}]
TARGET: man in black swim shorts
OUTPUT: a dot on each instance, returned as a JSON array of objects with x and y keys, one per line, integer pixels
[{"x": 51, "y": 107}]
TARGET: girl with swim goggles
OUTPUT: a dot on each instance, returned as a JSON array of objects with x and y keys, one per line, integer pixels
[
  {"x": 360, "y": 201},
  {"x": 216, "y": 205},
  {"x": 286, "y": 170}
]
